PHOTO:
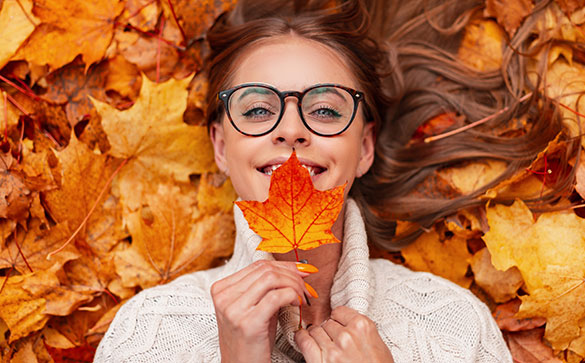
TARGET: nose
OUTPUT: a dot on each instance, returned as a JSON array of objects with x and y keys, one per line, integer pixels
[{"x": 291, "y": 129}]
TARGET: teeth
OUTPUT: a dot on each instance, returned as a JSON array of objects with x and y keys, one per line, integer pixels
[
  {"x": 310, "y": 169},
  {"x": 270, "y": 169}
]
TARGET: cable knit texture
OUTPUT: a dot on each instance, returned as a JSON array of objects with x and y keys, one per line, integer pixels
[{"x": 421, "y": 317}]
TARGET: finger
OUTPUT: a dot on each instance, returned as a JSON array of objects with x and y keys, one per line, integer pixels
[
  {"x": 245, "y": 277},
  {"x": 308, "y": 346},
  {"x": 343, "y": 315},
  {"x": 251, "y": 295},
  {"x": 332, "y": 328},
  {"x": 321, "y": 337},
  {"x": 272, "y": 302}
]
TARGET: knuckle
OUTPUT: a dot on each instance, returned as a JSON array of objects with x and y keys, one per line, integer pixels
[
  {"x": 362, "y": 323},
  {"x": 344, "y": 339},
  {"x": 215, "y": 288}
]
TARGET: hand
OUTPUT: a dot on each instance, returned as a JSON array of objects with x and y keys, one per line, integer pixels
[
  {"x": 347, "y": 336},
  {"x": 246, "y": 304}
]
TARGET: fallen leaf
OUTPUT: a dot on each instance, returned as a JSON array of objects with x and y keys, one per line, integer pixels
[
  {"x": 70, "y": 28},
  {"x": 195, "y": 17},
  {"x": 527, "y": 347},
  {"x": 215, "y": 194},
  {"x": 448, "y": 259},
  {"x": 72, "y": 86},
  {"x": 499, "y": 285},
  {"x": 472, "y": 176},
  {"x": 481, "y": 47},
  {"x": 505, "y": 316},
  {"x": 25, "y": 354},
  {"x": 509, "y": 13},
  {"x": 569, "y": 6},
  {"x": 159, "y": 146},
  {"x": 81, "y": 354},
  {"x": 17, "y": 23},
  {"x": 549, "y": 254},
  {"x": 36, "y": 244},
  {"x": 123, "y": 77},
  {"x": 167, "y": 240},
  {"x": 295, "y": 215},
  {"x": 84, "y": 177},
  {"x": 142, "y": 14}
]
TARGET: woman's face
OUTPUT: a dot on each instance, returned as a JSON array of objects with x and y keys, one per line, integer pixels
[{"x": 291, "y": 63}]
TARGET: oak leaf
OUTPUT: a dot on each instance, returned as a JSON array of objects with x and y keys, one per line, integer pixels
[
  {"x": 448, "y": 259},
  {"x": 549, "y": 254},
  {"x": 159, "y": 146},
  {"x": 70, "y": 28},
  {"x": 295, "y": 215},
  {"x": 17, "y": 23}
]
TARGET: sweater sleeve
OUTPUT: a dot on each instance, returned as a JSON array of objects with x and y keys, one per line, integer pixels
[{"x": 429, "y": 319}]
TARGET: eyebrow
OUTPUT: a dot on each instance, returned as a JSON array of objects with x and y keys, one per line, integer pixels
[{"x": 250, "y": 90}]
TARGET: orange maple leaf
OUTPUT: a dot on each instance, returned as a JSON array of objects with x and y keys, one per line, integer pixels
[{"x": 295, "y": 215}]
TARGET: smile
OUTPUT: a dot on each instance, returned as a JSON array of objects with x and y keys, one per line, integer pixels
[{"x": 313, "y": 169}]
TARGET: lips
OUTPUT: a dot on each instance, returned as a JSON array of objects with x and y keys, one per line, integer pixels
[{"x": 271, "y": 166}]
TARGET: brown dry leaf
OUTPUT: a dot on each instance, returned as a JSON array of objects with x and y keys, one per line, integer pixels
[
  {"x": 70, "y": 28},
  {"x": 555, "y": 24},
  {"x": 27, "y": 299},
  {"x": 96, "y": 332},
  {"x": 15, "y": 196},
  {"x": 448, "y": 259},
  {"x": 500, "y": 285},
  {"x": 509, "y": 13},
  {"x": 474, "y": 175},
  {"x": 166, "y": 241},
  {"x": 481, "y": 48},
  {"x": 549, "y": 254},
  {"x": 142, "y": 14},
  {"x": 159, "y": 146},
  {"x": 215, "y": 194},
  {"x": 72, "y": 86},
  {"x": 123, "y": 77},
  {"x": 8, "y": 113},
  {"x": 527, "y": 347},
  {"x": 569, "y": 6},
  {"x": 17, "y": 23},
  {"x": 505, "y": 316},
  {"x": 196, "y": 103},
  {"x": 25, "y": 354},
  {"x": 468, "y": 223},
  {"x": 35, "y": 245},
  {"x": 40, "y": 174},
  {"x": 84, "y": 176},
  {"x": 195, "y": 17}
]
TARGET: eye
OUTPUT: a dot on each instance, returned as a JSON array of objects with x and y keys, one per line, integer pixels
[
  {"x": 258, "y": 113},
  {"x": 325, "y": 113}
]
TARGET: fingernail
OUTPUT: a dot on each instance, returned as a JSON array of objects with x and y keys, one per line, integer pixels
[
  {"x": 305, "y": 267},
  {"x": 311, "y": 290}
]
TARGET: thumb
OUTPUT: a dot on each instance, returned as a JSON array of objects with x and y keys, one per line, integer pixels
[{"x": 308, "y": 346}]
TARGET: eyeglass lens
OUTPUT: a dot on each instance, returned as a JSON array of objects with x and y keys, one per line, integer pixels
[{"x": 326, "y": 110}]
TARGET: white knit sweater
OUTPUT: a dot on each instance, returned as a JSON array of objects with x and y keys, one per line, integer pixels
[{"x": 421, "y": 317}]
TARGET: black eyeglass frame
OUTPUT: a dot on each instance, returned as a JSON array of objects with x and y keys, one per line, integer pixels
[{"x": 225, "y": 95}]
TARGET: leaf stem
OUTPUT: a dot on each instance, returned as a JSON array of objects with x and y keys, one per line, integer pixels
[
  {"x": 90, "y": 211},
  {"x": 20, "y": 251},
  {"x": 177, "y": 21}
]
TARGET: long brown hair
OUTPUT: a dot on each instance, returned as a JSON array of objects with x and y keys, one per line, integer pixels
[{"x": 405, "y": 64}]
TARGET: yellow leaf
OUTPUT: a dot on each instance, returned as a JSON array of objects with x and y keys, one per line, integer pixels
[
  {"x": 16, "y": 22},
  {"x": 448, "y": 259},
  {"x": 481, "y": 47},
  {"x": 70, "y": 28},
  {"x": 549, "y": 255},
  {"x": 472, "y": 176},
  {"x": 152, "y": 135}
]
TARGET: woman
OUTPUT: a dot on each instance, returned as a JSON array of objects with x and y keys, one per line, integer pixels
[{"x": 363, "y": 310}]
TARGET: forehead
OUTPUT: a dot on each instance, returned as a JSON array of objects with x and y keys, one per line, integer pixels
[{"x": 292, "y": 63}]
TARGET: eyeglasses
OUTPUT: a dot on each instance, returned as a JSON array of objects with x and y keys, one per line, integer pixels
[{"x": 255, "y": 109}]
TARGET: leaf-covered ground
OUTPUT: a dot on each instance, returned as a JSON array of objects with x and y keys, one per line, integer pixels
[{"x": 108, "y": 184}]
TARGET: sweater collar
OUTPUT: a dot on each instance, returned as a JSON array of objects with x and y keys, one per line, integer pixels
[{"x": 353, "y": 284}]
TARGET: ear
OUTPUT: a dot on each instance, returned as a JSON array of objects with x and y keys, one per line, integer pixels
[
  {"x": 367, "y": 149},
  {"x": 218, "y": 140}
]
